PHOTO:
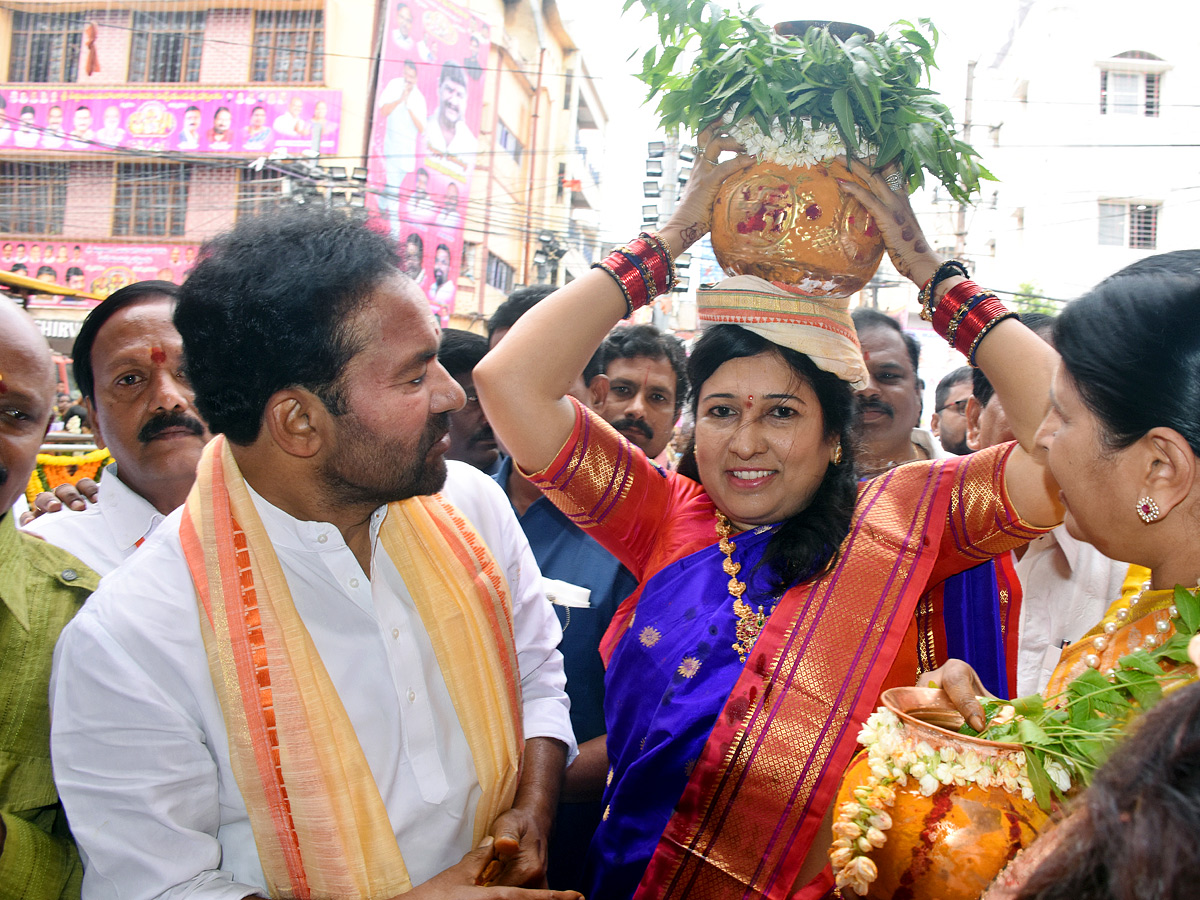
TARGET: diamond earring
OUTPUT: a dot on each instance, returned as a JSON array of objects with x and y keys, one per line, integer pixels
[{"x": 1147, "y": 510}]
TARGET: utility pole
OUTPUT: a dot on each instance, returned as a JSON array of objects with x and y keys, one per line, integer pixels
[{"x": 960, "y": 235}]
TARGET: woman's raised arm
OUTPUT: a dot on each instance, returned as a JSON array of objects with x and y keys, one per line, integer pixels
[
  {"x": 523, "y": 382},
  {"x": 1018, "y": 363}
]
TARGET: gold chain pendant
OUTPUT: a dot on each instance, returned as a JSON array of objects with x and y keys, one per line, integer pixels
[{"x": 750, "y": 622}]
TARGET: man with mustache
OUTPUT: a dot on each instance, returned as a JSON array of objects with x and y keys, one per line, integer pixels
[
  {"x": 41, "y": 588},
  {"x": 889, "y": 408},
  {"x": 333, "y": 672},
  {"x": 647, "y": 377},
  {"x": 128, "y": 362}
]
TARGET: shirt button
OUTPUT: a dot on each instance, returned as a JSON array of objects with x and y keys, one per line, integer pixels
[
  {"x": 322, "y": 538},
  {"x": 353, "y": 582},
  {"x": 395, "y": 632},
  {"x": 412, "y": 696},
  {"x": 69, "y": 574}
]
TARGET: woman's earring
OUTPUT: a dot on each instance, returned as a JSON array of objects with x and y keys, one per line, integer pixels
[
  {"x": 1147, "y": 509},
  {"x": 837, "y": 455}
]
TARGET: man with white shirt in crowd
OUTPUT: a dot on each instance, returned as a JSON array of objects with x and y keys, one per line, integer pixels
[
  {"x": 333, "y": 671},
  {"x": 128, "y": 363}
]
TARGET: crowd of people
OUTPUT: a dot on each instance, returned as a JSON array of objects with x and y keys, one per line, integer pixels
[{"x": 622, "y": 643}]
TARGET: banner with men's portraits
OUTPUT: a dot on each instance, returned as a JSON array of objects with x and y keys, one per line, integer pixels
[
  {"x": 98, "y": 268},
  {"x": 188, "y": 120},
  {"x": 424, "y": 137}
]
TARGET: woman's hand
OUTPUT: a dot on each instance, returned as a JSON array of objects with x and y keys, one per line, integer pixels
[
  {"x": 692, "y": 218},
  {"x": 962, "y": 685},
  {"x": 902, "y": 235}
]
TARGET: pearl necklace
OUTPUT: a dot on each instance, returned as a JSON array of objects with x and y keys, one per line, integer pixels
[
  {"x": 1124, "y": 615},
  {"x": 749, "y": 621}
]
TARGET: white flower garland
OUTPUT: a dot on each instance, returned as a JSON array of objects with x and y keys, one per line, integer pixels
[
  {"x": 894, "y": 756},
  {"x": 814, "y": 146}
]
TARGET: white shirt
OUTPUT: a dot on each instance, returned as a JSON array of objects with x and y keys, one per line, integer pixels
[
  {"x": 139, "y": 742},
  {"x": 462, "y": 143},
  {"x": 400, "y": 128},
  {"x": 1066, "y": 587},
  {"x": 106, "y": 533}
]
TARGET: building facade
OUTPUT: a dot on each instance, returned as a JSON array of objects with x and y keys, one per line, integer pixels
[{"x": 131, "y": 131}]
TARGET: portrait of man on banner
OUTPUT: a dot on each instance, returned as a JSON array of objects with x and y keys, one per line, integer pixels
[{"x": 425, "y": 137}]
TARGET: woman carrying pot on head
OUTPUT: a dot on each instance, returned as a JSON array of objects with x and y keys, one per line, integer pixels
[{"x": 777, "y": 595}]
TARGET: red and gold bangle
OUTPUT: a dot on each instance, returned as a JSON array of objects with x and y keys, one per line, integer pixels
[
  {"x": 658, "y": 243},
  {"x": 629, "y": 307},
  {"x": 643, "y": 268},
  {"x": 952, "y": 301},
  {"x": 977, "y": 323},
  {"x": 963, "y": 311}
]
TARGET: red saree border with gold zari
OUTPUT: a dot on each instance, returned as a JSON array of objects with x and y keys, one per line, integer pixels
[{"x": 759, "y": 793}]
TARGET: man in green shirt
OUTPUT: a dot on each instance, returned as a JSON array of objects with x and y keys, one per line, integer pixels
[{"x": 41, "y": 588}]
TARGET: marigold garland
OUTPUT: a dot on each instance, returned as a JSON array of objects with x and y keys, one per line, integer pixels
[{"x": 53, "y": 469}]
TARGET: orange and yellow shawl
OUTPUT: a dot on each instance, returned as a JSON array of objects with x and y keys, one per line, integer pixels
[{"x": 317, "y": 816}]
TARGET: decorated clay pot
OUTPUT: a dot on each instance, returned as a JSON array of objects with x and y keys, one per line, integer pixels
[
  {"x": 796, "y": 226},
  {"x": 951, "y": 844}
]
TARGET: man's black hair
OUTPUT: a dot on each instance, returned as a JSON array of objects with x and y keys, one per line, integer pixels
[
  {"x": 47, "y": 270},
  {"x": 942, "y": 392},
  {"x": 452, "y": 71},
  {"x": 271, "y": 305},
  {"x": 75, "y": 270},
  {"x": 460, "y": 351},
  {"x": 866, "y": 318},
  {"x": 81, "y": 354},
  {"x": 521, "y": 301},
  {"x": 632, "y": 341}
]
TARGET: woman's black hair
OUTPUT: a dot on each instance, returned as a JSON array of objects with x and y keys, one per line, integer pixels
[
  {"x": 1133, "y": 836},
  {"x": 1132, "y": 348},
  {"x": 807, "y": 544}
]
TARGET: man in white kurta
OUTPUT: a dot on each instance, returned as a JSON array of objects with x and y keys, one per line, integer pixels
[
  {"x": 345, "y": 413},
  {"x": 136, "y": 717}
]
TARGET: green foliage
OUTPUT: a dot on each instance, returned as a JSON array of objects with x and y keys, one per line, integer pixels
[
  {"x": 1028, "y": 299},
  {"x": 711, "y": 61},
  {"x": 1079, "y": 728}
]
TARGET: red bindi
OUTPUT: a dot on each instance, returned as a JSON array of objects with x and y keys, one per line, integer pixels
[
  {"x": 3, "y": 386},
  {"x": 750, "y": 401},
  {"x": 157, "y": 356}
]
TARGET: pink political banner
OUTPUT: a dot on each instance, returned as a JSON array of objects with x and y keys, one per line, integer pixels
[
  {"x": 425, "y": 135},
  {"x": 97, "y": 268},
  {"x": 300, "y": 121}
]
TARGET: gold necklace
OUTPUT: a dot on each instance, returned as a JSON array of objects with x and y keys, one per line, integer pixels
[{"x": 749, "y": 621}]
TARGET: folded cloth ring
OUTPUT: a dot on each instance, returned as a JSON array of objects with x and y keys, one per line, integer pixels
[{"x": 893, "y": 182}]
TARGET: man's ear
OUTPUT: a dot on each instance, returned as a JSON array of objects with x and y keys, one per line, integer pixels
[
  {"x": 598, "y": 388},
  {"x": 297, "y": 421},
  {"x": 973, "y": 413},
  {"x": 94, "y": 420},
  {"x": 933, "y": 423}
]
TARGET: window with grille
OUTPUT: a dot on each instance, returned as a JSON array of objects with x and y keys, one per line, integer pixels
[
  {"x": 33, "y": 197},
  {"x": 258, "y": 192},
  {"x": 1133, "y": 225},
  {"x": 151, "y": 200},
  {"x": 499, "y": 273},
  {"x": 289, "y": 45},
  {"x": 45, "y": 46},
  {"x": 166, "y": 46},
  {"x": 508, "y": 141},
  {"x": 1131, "y": 93}
]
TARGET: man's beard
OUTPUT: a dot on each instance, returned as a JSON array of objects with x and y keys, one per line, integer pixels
[{"x": 399, "y": 473}]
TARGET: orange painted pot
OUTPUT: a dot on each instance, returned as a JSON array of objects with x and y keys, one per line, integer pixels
[
  {"x": 797, "y": 227},
  {"x": 951, "y": 845}
]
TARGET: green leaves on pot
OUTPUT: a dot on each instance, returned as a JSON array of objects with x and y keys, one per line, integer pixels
[{"x": 710, "y": 61}]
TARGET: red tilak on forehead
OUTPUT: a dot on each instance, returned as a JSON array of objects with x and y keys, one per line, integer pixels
[
  {"x": 750, "y": 401},
  {"x": 866, "y": 356},
  {"x": 3, "y": 386},
  {"x": 157, "y": 356}
]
